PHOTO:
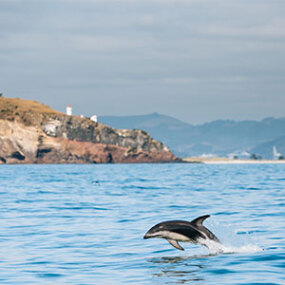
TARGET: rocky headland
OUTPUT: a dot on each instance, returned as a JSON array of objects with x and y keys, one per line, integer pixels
[{"x": 31, "y": 132}]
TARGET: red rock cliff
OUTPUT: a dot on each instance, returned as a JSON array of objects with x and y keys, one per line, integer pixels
[{"x": 34, "y": 133}]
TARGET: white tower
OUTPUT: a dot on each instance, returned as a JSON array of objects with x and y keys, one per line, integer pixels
[
  {"x": 69, "y": 110},
  {"x": 94, "y": 118}
]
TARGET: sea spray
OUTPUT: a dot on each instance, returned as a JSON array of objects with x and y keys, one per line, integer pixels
[
  {"x": 231, "y": 242},
  {"x": 218, "y": 248}
]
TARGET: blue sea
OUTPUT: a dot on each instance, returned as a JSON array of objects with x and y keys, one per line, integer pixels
[{"x": 84, "y": 224}]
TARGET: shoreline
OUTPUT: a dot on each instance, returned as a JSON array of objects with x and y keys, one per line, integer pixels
[
  {"x": 230, "y": 161},
  {"x": 246, "y": 162}
]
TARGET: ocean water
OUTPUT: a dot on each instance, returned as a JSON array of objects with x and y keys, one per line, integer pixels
[{"x": 84, "y": 224}]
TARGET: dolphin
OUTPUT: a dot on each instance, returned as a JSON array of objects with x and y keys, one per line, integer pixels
[{"x": 183, "y": 231}]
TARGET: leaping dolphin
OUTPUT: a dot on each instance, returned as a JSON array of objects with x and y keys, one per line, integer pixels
[{"x": 175, "y": 231}]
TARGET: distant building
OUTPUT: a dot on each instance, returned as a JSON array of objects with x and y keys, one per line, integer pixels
[
  {"x": 94, "y": 118},
  {"x": 276, "y": 154},
  {"x": 245, "y": 154},
  {"x": 207, "y": 155},
  {"x": 69, "y": 110},
  {"x": 240, "y": 155}
]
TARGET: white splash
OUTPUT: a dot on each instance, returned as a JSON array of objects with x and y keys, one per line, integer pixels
[
  {"x": 216, "y": 248},
  {"x": 231, "y": 242}
]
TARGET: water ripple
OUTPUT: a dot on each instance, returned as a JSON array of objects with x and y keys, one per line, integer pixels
[{"x": 84, "y": 224}]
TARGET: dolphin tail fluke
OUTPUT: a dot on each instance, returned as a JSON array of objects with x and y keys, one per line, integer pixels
[
  {"x": 199, "y": 221},
  {"x": 175, "y": 244}
]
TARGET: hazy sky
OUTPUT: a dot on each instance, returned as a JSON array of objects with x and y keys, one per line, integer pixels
[{"x": 197, "y": 60}]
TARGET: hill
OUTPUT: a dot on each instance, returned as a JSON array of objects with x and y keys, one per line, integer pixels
[
  {"x": 220, "y": 137},
  {"x": 31, "y": 132}
]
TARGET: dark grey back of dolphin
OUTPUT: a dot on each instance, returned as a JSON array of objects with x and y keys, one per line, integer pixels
[
  {"x": 195, "y": 231},
  {"x": 178, "y": 226}
]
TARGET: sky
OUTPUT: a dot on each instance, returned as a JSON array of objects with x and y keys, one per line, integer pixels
[{"x": 196, "y": 60}]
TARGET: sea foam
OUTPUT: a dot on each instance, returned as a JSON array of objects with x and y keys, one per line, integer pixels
[{"x": 217, "y": 248}]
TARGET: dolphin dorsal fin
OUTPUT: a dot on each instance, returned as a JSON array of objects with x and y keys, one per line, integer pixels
[
  {"x": 199, "y": 221},
  {"x": 175, "y": 244}
]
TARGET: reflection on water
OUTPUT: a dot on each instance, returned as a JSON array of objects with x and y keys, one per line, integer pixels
[
  {"x": 180, "y": 269},
  {"x": 178, "y": 259}
]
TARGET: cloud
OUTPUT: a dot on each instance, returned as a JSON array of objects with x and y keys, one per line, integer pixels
[
  {"x": 143, "y": 49},
  {"x": 274, "y": 29},
  {"x": 104, "y": 44},
  {"x": 185, "y": 80}
]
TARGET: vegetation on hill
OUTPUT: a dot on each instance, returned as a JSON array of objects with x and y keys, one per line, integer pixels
[{"x": 27, "y": 111}]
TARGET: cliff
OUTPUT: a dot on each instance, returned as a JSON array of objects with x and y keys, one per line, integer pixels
[{"x": 31, "y": 132}]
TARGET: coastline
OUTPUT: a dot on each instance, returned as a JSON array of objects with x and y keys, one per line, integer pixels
[
  {"x": 33, "y": 133},
  {"x": 230, "y": 161},
  {"x": 247, "y": 162}
]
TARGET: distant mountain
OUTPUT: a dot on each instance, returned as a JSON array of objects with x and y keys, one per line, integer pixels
[{"x": 219, "y": 137}]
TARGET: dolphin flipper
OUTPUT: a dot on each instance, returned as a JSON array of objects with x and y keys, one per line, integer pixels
[{"x": 175, "y": 244}]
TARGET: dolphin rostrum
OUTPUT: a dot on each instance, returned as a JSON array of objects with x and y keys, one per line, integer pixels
[{"x": 175, "y": 231}]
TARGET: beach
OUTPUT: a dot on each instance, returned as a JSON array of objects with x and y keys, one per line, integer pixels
[{"x": 222, "y": 160}]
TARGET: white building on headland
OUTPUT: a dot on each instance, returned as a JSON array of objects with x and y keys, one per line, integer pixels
[
  {"x": 94, "y": 118},
  {"x": 69, "y": 110}
]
